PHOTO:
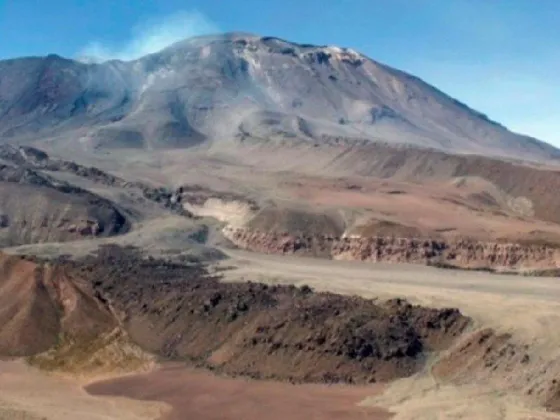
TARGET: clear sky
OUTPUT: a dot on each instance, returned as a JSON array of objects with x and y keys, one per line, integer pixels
[{"x": 501, "y": 57}]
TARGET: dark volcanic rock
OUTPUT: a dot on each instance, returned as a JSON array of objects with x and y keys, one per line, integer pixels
[{"x": 252, "y": 329}]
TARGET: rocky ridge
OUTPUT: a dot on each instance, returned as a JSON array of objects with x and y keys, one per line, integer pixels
[
  {"x": 35, "y": 207},
  {"x": 27, "y": 159},
  {"x": 179, "y": 312}
]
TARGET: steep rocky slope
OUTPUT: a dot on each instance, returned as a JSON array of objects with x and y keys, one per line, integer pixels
[
  {"x": 268, "y": 332},
  {"x": 241, "y": 85}
]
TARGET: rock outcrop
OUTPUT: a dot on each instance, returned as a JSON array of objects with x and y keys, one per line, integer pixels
[
  {"x": 461, "y": 253},
  {"x": 179, "y": 312}
]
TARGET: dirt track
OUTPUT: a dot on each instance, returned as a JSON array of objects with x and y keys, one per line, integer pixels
[{"x": 201, "y": 395}]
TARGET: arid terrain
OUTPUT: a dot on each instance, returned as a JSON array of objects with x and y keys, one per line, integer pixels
[
  {"x": 52, "y": 313},
  {"x": 503, "y": 366},
  {"x": 90, "y": 305},
  {"x": 244, "y": 227},
  {"x": 196, "y": 394}
]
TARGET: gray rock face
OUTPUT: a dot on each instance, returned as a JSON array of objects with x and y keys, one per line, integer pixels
[{"x": 239, "y": 85}]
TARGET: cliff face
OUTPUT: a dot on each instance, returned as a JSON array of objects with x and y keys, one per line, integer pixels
[{"x": 460, "y": 253}]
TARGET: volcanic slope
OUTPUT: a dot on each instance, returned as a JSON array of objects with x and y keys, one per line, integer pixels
[{"x": 237, "y": 86}]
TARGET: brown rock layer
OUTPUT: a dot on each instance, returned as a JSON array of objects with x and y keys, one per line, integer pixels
[{"x": 460, "y": 253}]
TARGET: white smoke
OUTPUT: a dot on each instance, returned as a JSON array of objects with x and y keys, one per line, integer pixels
[{"x": 150, "y": 37}]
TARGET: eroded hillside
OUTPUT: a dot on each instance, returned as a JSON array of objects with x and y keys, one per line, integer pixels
[{"x": 180, "y": 313}]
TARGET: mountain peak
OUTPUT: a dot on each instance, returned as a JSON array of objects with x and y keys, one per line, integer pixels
[
  {"x": 213, "y": 38},
  {"x": 240, "y": 84}
]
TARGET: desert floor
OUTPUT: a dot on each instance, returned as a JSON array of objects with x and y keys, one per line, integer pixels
[
  {"x": 201, "y": 395},
  {"x": 28, "y": 394},
  {"x": 527, "y": 307}
]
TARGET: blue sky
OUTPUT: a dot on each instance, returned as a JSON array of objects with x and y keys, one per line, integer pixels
[{"x": 501, "y": 57}]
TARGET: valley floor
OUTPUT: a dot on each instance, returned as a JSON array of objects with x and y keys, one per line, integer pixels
[
  {"x": 174, "y": 393},
  {"x": 201, "y": 395},
  {"x": 28, "y": 394}
]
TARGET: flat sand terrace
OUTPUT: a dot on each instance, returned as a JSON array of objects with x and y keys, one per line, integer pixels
[{"x": 196, "y": 394}]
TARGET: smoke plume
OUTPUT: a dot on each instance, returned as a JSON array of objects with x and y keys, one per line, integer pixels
[{"x": 151, "y": 37}]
